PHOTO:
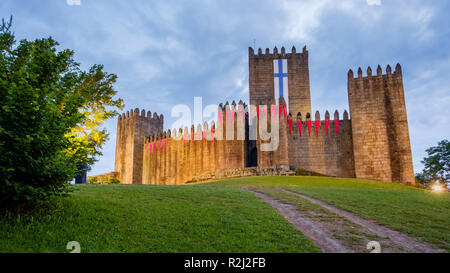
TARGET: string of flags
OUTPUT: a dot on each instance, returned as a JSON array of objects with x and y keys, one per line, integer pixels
[{"x": 160, "y": 144}]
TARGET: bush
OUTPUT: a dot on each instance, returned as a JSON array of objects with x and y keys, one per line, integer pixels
[
  {"x": 103, "y": 179},
  {"x": 92, "y": 180},
  {"x": 50, "y": 112},
  {"x": 38, "y": 106}
]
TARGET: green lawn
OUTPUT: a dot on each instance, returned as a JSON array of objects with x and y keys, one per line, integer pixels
[
  {"x": 213, "y": 217},
  {"x": 153, "y": 219},
  {"x": 419, "y": 213},
  {"x": 309, "y": 181}
]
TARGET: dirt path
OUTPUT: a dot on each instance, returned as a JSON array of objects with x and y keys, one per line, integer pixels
[
  {"x": 309, "y": 228},
  {"x": 338, "y": 231},
  {"x": 408, "y": 243}
]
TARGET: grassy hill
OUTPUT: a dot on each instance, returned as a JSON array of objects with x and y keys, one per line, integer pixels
[{"x": 214, "y": 217}]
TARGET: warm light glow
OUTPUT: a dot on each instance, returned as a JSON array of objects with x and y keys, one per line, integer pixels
[{"x": 437, "y": 188}]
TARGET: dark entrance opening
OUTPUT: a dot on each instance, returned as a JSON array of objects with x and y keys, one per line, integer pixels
[
  {"x": 251, "y": 150},
  {"x": 253, "y": 162}
]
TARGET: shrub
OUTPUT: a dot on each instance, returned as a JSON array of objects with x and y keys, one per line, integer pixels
[
  {"x": 45, "y": 99},
  {"x": 103, "y": 179}
]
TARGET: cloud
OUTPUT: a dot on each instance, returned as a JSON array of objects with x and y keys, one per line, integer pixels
[
  {"x": 374, "y": 2},
  {"x": 167, "y": 52},
  {"x": 73, "y": 2}
]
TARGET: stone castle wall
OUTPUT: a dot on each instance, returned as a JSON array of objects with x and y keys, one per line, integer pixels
[
  {"x": 322, "y": 146},
  {"x": 382, "y": 149},
  {"x": 178, "y": 157},
  {"x": 261, "y": 73},
  {"x": 132, "y": 129},
  {"x": 373, "y": 144}
]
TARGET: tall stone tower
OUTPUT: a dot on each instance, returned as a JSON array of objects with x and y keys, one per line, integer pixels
[
  {"x": 280, "y": 75},
  {"x": 132, "y": 129},
  {"x": 382, "y": 149}
]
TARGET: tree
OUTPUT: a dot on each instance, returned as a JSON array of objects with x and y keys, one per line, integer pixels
[
  {"x": 87, "y": 138},
  {"x": 50, "y": 115},
  {"x": 437, "y": 165}
]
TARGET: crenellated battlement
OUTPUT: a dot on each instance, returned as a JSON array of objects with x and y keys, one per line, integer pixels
[
  {"x": 373, "y": 144},
  {"x": 176, "y": 156},
  {"x": 136, "y": 113},
  {"x": 308, "y": 127},
  {"x": 371, "y": 88},
  {"x": 379, "y": 73},
  {"x": 199, "y": 132},
  {"x": 132, "y": 128},
  {"x": 261, "y": 77},
  {"x": 276, "y": 54},
  {"x": 317, "y": 116},
  {"x": 380, "y": 127}
]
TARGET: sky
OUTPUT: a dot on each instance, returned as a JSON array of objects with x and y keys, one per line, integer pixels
[{"x": 167, "y": 52}]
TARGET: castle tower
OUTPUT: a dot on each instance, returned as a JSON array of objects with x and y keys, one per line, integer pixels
[
  {"x": 132, "y": 129},
  {"x": 382, "y": 149},
  {"x": 280, "y": 74}
]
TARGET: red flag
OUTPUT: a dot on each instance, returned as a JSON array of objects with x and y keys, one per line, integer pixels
[
  {"x": 300, "y": 124},
  {"x": 336, "y": 125},
  {"x": 309, "y": 127},
  {"x": 204, "y": 136},
  {"x": 154, "y": 146},
  {"x": 167, "y": 142},
  {"x": 327, "y": 126},
  {"x": 317, "y": 127},
  {"x": 290, "y": 126},
  {"x": 212, "y": 135},
  {"x": 280, "y": 110},
  {"x": 257, "y": 112},
  {"x": 226, "y": 117}
]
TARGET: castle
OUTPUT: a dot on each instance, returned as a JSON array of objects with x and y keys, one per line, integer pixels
[{"x": 373, "y": 144}]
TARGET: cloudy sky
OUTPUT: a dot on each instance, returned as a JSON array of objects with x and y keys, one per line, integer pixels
[{"x": 167, "y": 52}]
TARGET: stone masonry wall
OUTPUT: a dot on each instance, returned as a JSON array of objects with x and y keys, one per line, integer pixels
[
  {"x": 173, "y": 159},
  {"x": 132, "y": 128},
  {"x": 382, "y": 148},
  {"x": 373, "y": 144},
  {"x": 261, "y": 78},
  {"x": 329, "y": 153}
]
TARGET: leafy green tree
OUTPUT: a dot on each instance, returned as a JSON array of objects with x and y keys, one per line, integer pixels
[
  {"x": 50, "y": 115},
  {"x": 437, "y": 165},
  {"x": 88, "y": 137}
]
